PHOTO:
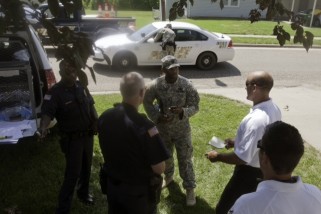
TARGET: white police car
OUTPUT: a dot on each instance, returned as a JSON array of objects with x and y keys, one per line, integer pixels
[{"x": 195, "y": 46}]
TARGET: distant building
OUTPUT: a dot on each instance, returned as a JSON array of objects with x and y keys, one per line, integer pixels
[{"x": 235, "y": 8}]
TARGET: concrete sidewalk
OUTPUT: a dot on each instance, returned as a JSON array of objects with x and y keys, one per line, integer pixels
[
  {"x": 300, "y": 106},
  {"x": 288, "y": 44},
  {"x": 262, "y": 36}
]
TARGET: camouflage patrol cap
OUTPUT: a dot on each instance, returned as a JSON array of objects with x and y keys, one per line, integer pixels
[
  {"x": 168, "y": 26},
  {"x": 169, "y": 62}
]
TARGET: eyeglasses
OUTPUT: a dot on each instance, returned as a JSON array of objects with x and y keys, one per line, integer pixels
[
  {"x": 260, "y": 85},
  {"x": 259, "y": 145},
  {"x": 247, "y": 84}
]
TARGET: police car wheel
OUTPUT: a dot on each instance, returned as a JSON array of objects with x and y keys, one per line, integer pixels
[
  {"x": 206, "y": 61},
  {"x": 124, "y": 61}
]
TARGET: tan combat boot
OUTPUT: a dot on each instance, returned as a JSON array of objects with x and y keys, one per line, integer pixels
[{"x": 190, "y": 197}]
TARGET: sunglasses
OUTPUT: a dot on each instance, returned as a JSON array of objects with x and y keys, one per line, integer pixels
[
  {"x": 259, "y": 145},
  {"x": 247, "y": 84}
]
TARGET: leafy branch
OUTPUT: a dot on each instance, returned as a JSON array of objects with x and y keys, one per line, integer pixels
[
  {"x": 281, "y": 34},
  {"x": 273, "y": 8},
  {"x": 75, "y": 47}
]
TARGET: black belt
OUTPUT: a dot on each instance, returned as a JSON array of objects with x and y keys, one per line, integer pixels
[
  {"x": 250, "y": 171},
  {"x": 247, "y": 168},
  {"x": 117, "y": 182}
]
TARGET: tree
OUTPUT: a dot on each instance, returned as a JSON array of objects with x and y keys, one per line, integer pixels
[
  {"x": 75, "y": 47},
  {"x": 273, "y": 7}
]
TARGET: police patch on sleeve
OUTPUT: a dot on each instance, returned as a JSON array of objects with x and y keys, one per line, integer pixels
[
  {"x": 47, "y": 97},
  {"x": 153, "y": 131}
]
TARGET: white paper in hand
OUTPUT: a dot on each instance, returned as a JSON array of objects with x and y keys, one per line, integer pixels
[{"x": 217, "y": 142}]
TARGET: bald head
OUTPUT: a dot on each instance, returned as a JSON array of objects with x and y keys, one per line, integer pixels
[
  {"x": 131, "y": 85},
  {"x": 262, "y": 79}
]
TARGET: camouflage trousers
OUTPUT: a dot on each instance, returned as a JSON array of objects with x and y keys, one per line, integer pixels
[
  {"x": 184, "y": 151},
  {"x": 169, "y": 50}
]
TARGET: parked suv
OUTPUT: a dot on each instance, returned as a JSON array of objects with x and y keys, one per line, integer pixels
[{"x": 25, "y": 76}]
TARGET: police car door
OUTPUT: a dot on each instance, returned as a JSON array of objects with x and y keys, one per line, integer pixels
[
  {"x": 150, "y": 52},
  {"x": 188, "y": 45}
]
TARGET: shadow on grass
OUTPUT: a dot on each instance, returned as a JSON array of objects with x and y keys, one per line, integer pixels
[
  {"x": 31, "y": 174},
  {"x": 176, "y": 202}
]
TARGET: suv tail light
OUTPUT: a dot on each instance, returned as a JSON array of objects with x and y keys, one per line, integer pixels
[
  {"x": 230, "y": 44},
  {"x": 50, "y": 77}
]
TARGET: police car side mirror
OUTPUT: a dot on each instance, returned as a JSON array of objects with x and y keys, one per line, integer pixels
[{"x": 150, "y": 40}]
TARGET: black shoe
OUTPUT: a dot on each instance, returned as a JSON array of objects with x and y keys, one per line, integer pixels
[{"x": 87, "y": 200}]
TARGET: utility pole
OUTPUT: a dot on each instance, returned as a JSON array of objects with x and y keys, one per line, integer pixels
[
  {"x": 163, "y": 9},
  {"x": 292, "y": 9},
  {"x": 312, "y": 13}
]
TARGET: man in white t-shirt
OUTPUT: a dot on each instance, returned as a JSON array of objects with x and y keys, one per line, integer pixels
[
  {"x": 245, "y": 156},
  {"x": 281, "y": 149}
]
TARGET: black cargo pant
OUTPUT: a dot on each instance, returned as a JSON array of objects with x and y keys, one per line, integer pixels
[
  {"x": 244, "y": 180},
  {"x": 78, "y": 150},
  {"x": 129, "y": 199}
]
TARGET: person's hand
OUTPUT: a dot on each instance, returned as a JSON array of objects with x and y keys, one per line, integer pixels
[
  {"x": 176, "y": 109},
  {"x": 42, "y": 133},
  {"x": 212, "y": 156},
  {"x": 229, "y": 143},
  {"x": 164, "y": 118}
]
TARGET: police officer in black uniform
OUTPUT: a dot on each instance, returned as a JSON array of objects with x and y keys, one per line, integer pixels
[
  {"x": 133, "y": 151},
  {"x": 73, "y": 107}
]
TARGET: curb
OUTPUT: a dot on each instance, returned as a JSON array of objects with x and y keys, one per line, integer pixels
[
  {"x": 261, "y": 36},
  {"x": 50, "y": 49},
  {"x": 287, "y": 45},
  {"x": 273, "y": 46}
]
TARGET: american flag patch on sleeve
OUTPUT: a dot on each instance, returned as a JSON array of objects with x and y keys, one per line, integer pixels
[
  {"x": 47, "y": 97},
  {"x": 153, "y": 131}
]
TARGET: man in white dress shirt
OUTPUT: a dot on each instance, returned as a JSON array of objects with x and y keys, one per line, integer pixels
[
  {"x": 281, "y": 149},
  {"x": 245, "y": 155}
]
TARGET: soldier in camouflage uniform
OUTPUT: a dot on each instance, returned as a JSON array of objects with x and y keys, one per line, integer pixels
[
  {"x": 167, "y": 36},
  {"x": 169, "y": 101}
]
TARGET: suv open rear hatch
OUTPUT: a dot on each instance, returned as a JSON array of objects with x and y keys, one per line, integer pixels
[{"x": 17, "y": 102}]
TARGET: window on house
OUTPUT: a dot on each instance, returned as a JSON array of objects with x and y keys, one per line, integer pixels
[{"x": 231, "y": 3}]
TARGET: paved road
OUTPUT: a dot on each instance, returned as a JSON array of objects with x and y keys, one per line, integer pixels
[{"x": 290, "y": 67}]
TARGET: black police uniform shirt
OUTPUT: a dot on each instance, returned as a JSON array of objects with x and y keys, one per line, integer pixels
[
  {"x": 130, "y": 144},
  {"x": 70, "y": 106}
]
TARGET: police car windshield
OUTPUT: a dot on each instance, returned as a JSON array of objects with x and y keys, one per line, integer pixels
[{"x": 141, "y": 33}]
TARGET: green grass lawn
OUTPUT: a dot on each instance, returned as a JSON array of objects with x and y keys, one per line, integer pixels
[
  {"x": 31, "y": 172},
  {"x": 243, "y": 27}
]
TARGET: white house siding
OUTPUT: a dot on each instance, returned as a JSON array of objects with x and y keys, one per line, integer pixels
[{"x": 206, "y": 9}]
